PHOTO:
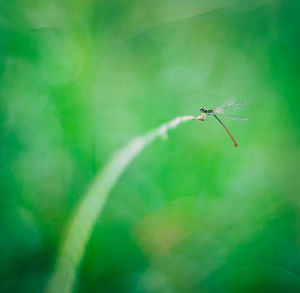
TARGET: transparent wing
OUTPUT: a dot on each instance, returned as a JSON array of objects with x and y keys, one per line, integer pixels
[
  {"x": 231, "y": 117},
  {"x": 233, "y": 106},
  {"x": 227, "y": 107}
]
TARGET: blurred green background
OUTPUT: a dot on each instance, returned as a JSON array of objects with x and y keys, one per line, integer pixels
[{"x": 80, "y": 79}]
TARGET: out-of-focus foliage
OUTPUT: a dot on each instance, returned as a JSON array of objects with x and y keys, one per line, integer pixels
[{"x": 79, "y": 79}]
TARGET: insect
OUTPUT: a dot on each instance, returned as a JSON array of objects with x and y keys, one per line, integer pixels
[{"x": 222, "y": 110}]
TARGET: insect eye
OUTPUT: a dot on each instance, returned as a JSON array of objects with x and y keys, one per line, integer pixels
[{"x": 201, "y": 110}]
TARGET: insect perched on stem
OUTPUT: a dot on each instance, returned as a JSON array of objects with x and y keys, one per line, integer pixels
[{"x": 222, "y": 110}]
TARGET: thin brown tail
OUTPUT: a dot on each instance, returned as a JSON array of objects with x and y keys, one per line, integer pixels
[{"x": 232, "y": 138}]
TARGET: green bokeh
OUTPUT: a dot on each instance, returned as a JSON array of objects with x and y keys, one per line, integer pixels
[{"x": 80, "y": 79}]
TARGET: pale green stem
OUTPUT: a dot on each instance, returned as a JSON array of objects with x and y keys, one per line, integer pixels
[{"x": 91, "y": 205}]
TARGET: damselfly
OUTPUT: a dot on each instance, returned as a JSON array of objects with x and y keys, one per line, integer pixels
[{"x": 224, "y": 110}]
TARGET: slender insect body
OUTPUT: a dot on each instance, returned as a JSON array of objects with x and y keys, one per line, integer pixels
[{"x": 221, "y": 110}]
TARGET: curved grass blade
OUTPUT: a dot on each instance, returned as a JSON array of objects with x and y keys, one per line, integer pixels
[{"x": 91, "y": 206}]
